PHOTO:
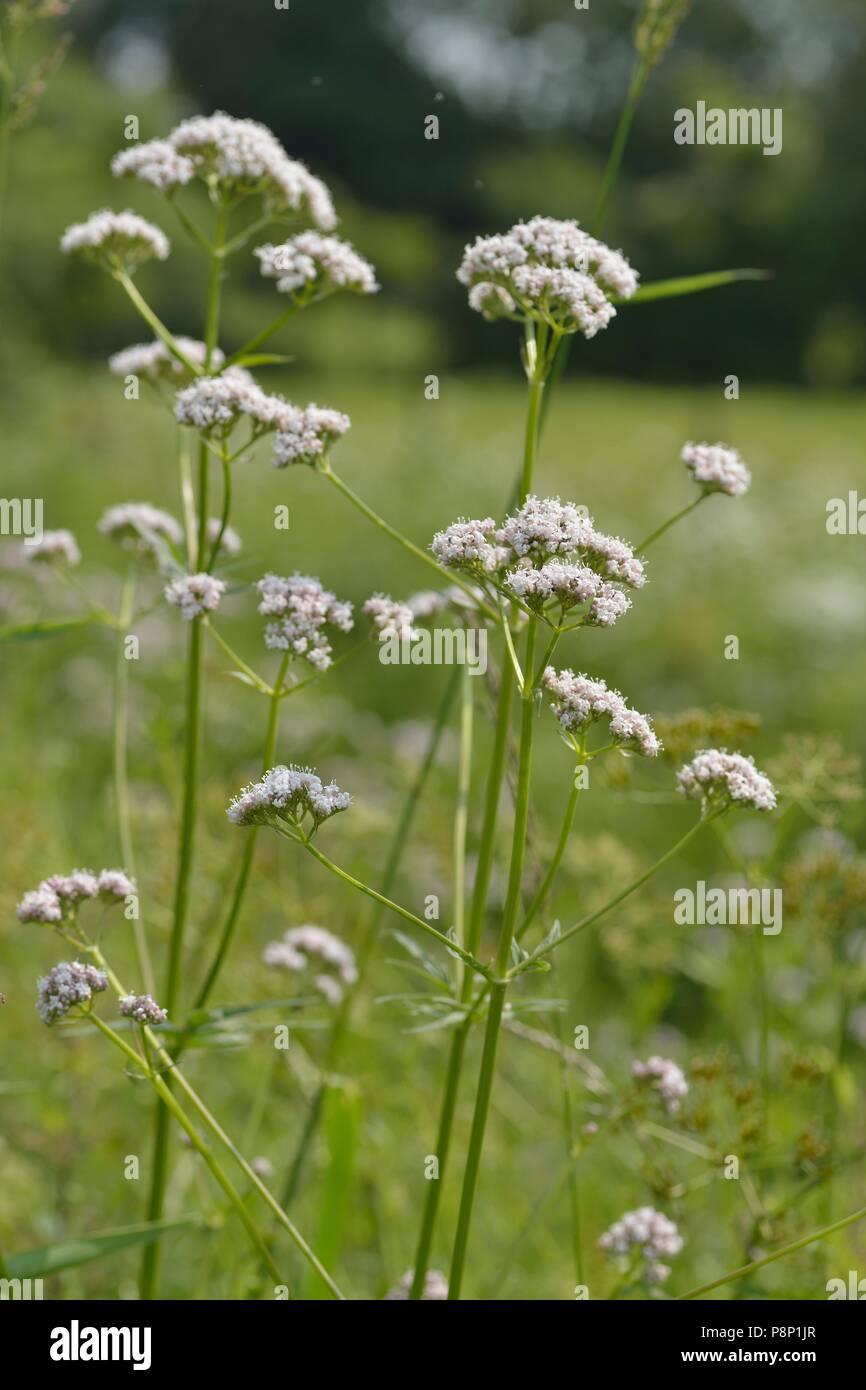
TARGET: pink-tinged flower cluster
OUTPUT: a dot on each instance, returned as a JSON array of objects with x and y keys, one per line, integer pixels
[
  {"x": 69, "y": 985},
  {"x": 235, "y": 158},
  {"x": 666, "y": 1077},
  {"x": 302, "y": 434},
  {"x": 302, "y": 609},
  {"x": 390, "y": 618},
  {"x": 717, "y": 468},
  {"x": 142, "y": 1008},
  {"x": 115, "y": 238},
  {"x": 58, "y": 898},
  {"x": 195, "y": 594},
  {"x": 302, "y": 947},
  {"x": 310, "y": 265},
  {"x": 154, "y": 362},
  {"x": 720, "y": 779},
  {"x": 549, "y": 271},
  {"x": 650, "y": 1231},
  {"x": 579, "y": 701},
  {"x": 548, "y": 551},
  {"x": 289, "y": 795},
  {"x": 134, "y": 524},
  {"x": 53, "y": 548}
]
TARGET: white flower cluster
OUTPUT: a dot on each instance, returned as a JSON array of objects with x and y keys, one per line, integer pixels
[
  {"x": 307, "y": 433},
  {"x": 546, "y": 550},
  {"x": 652, "y": 1231},
  {"x": 289, "y": 794},
  {"x": 302, "y": 945},
  {"x": 195, "y": 594},
  {"x": 717, "y": 468},
  {"x": 115, "y": 237},
  {"x": 303, "y": 434},
  {"x": 579, "y": 701},
  {"x": 317, "y": 264},
  {"x": 156, "y": 162},
  {"x": 154, "y": 362},
  {"x": 720, "y": 779},
  {"x": 58, "y": 897},
  {"x": 435, "y": 1288},
  {"x": 668, "y": 1079},
  {"x": 549, "y": 271},
  {"x": 142, "y": 1008},
  {"x": 237, "y": 158},
  {"x": 132, "y": 524},
  {"x": 390, "y": 618},
  {"x": 53, "y": 548},
  {"x": 303, "y": 608},
  {"x": 68, "y": 985}
]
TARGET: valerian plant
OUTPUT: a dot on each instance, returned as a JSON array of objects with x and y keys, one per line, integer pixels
[{"x": 529, "y": 579}]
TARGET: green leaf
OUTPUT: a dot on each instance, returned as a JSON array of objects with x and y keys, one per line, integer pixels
[
  {"x": 44, "y": 627},
  {"x": 692, "y": 284},
  {"x": 66, "y": 1254},
  {"x": 342, "y": 1131},
  {"x": 262, "y": 359}
]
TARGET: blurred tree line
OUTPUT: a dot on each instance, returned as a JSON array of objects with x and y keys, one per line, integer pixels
[{"x": 527, "y": 95}]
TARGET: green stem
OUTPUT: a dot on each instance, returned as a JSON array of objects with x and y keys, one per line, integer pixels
[
  {"x": 368, "y": 940},
  {"x": 198, "y": 1143},
  {"x": 677, "y": 516},
  {"x": 246, "y": 864},
  {"x": 232, "y": 655},
  {"x": 404, "y": 541},
  {"x": 495, "y": 777},
  {"x": 497, "y": 991},
  {"x": 262, "y": 337},
  {"x": 121, "y": 770},
  {"x": 800, "y": 1244},
  {"x": 154, "y": 322},
  {"x": 159, "y": 1172},
  {"x": 533, "y": 417},
  {"x": 626, "y": 892},
  {"x": 543, "y": 889},
  {"x": 224, "y": 516},
  {"x": 620, "y": 140},
  {"x": 403, "y": 912},
  {"x": 461, "y": 813}
]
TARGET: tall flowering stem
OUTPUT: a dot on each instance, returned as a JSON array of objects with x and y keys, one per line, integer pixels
[
  {"x": 192, "y": 746},
  {"x": 121, "y": 770}
]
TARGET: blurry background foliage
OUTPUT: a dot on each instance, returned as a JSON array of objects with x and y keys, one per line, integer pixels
[{"x": 527, "y": 93}]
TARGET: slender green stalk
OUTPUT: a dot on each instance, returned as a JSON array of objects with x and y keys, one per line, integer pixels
[
  {"x": 620, "y": 141},
  {"x": 461, "y": 811},
  {"x": 600, "y": 912},
  {"x": 246, "y": 863},
  {"x": 497, "y": 990},
  {"x": 495, "y": 777},
  {"x": 795, "y": 1245},
  {"x": 540, "y": 895},
  {"x": 533, "y": 417},
  {"x": 198, "y": 1143},
  {"x": 446, "y": 941},
  {"x": 263, "y": 336},
  {"x": 368, "y": 940},
  {"x": 154, "y": 322},
  {"x": 121, "y": 774},
  {"x": 159, "y": 1170},
  {"x": 404, "y": 541},
  {"x": 671, "y": 521},
  {"x": 224, "y": 515},
  {"x": 570, "y": 1154}
]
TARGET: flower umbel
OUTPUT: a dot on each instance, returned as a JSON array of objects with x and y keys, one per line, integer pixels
[
  {"x": 579, "y": 701},
  {"x": 550, "y": 272},
  {"x": 666, "y": 1078},
  {"x": 115, "y": 240},
  {"x": 717, "y": 468},
  {"x": 294, "y": 798},
  {"x": 195, "y": 594},
  {"x": 720, "y": 780},
  {"x": 69, "y": 985},
  {"x": 301, "y": 947},
  {"x": 302, "y": 609},
  {"x": 650, "y": 1232},
  {"x": 142, "y": 1008},
  {"x": 310, "y": 266}
]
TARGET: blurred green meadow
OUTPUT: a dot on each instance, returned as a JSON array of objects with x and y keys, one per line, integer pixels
[{"x": 762, "y": 569}]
